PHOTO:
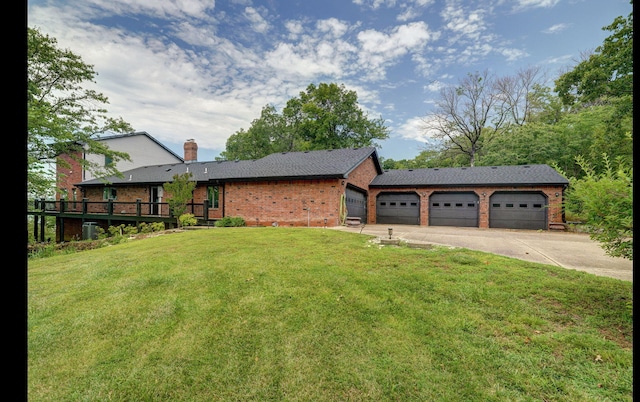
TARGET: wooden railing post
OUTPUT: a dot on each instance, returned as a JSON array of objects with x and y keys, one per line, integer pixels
[
  {"x": 110, "y": 207},
  {"x": 138, "y": 207},
  {"x": 63, "y": 205},
  {"x": 205, "y": 209},
  {"x": 84, "y": 205}
]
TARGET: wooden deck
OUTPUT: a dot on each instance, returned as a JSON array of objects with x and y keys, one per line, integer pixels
[{"x": 108, "y": 212}]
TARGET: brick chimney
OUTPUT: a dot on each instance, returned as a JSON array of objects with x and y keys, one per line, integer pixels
[{"x": 190, "y": 151}]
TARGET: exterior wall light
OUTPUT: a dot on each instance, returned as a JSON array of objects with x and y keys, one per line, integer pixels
[{"x": 390, "y": 230}]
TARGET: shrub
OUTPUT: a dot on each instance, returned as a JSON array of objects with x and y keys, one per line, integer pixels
[
  {"x": 187, "y": 220},
  {"x": 230, "y": 221}
]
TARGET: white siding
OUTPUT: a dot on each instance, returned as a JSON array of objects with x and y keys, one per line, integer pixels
[{"x": 142, "y": 150}]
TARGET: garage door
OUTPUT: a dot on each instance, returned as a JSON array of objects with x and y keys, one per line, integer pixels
[
  {"x": 356, "y": 204},
  {"x": 518, "y": 211},
  {"x": 453, "y": 209},
  {"x": 398, "y": 208}
]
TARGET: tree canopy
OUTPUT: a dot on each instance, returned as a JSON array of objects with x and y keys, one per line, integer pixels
[
  {"x": 326, "y": 116},
  {"x": 608, "y": 72},
  {"x": 468, "y": 116},
  {"x": 62, "y": 116}
]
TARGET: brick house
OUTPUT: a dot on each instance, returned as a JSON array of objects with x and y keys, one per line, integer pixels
[
  {"x": 315, "y": 188},
  {"x": 292, "y": 188},
  {"x": 322, "y": 188}
]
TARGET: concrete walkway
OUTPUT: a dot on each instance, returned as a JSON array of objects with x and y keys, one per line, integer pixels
[{"x": 563, "y": 249}]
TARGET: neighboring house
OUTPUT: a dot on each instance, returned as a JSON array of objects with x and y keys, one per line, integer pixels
[
  {"x": 321, "y": 188},
  {"x": 142, "y": 148}
]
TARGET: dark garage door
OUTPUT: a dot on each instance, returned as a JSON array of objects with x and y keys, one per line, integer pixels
[
  {"x": 518, "y": 211},
  {"x": 398, "y": 208},
  {"x": 453, "y": 209},
  {"x": 356, "y": 204}
]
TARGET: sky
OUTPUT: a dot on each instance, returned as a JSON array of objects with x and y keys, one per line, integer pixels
[{"x": 204, "y": 69}]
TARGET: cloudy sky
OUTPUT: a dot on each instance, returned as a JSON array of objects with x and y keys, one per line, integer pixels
[{"x": 203, "y": 69}]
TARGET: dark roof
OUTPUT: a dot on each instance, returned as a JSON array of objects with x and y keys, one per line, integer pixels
[
  {"x": 337, "y": 163},
  {"x": 471, "y": 176},
  {"x": 314, "y": 164}
]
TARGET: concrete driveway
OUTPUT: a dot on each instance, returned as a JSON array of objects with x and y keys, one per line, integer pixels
[{"x": 564, "y": 249}]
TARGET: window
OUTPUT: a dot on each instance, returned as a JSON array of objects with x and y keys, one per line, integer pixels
[
  {"x": 213, "y": 196},
  {"x": 108, "y": 161},
  {"x": 447, "y": 204},
  {"x": 523, "y": 205},
  {"x": 471, "y": 205},
  {"x": 435, "y": 204},
  {"x": 537, "y": 205},
  {"x": 458, "y": 204},
  {"x": 509, "y": 205},
  {"x": 109, "y": 193},
  {"x": 403, "y": 204}
]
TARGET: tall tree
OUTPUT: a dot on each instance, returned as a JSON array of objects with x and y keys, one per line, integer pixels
[
  {"x": 608, "y": 72},
  {"x": 465, "y": 117},
  {"x": 326, "y": 116},
  {"x": 261, "y": 139},
  {"x": 518, "y": 91},
  {"x": 62, "y": 116}
]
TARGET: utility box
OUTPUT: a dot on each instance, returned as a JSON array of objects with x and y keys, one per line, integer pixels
[{"x": 90, "y": 231}]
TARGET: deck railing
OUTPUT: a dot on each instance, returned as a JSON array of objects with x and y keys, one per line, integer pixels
[{"x": 113, "y": 208}]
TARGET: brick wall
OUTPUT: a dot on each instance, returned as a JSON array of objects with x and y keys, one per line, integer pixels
[
  {"x": 554, "y": 210},
  {"x": 66, "y": 176},
  {"x": 284, "y": 202},
  {"x": 363, "y": 174}
]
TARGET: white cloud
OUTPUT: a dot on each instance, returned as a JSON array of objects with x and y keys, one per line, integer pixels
[
  {"x": 464, "y": 24},
  {"x": 295, "y": 29},
  {"x": 413, "y": 129},
  {"x": 557, "y": 28},
  {"x": 434, "y": 86},
  {"x": 513, "y": 54},
  {"x": 522, "y": 4},
  {"x": 379, "y": 49},
  {"x": 332, "y": 26},
  {"x": 258, "y": 23},
  {"x": 157, "y": 8}
]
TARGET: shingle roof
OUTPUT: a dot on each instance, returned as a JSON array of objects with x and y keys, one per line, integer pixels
[
  {"x": 336, "y": 163},
  {"x": 471, "y": 176}
]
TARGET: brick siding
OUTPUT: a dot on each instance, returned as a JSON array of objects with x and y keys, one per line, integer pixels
[{"x": 554, "y": 210}]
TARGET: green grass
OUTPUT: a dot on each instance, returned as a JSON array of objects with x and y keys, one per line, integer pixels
[{"x": 287, "y": 314}]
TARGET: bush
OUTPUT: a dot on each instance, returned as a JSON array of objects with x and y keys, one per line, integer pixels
[
  {"x": 230, "y": 221},
  {"x": 604, "y": 201},
  {"x": 187, "y": 220},
  {"x": 151, "y": 227}
]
